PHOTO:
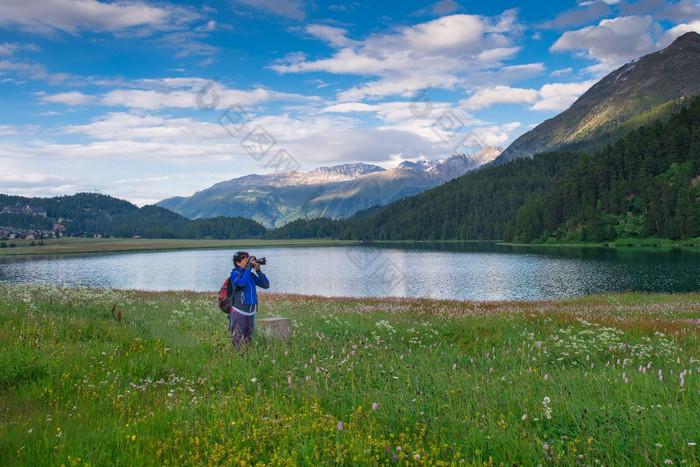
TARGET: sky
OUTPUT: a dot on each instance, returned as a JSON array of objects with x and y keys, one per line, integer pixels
[{"x": 146, "y": 100}]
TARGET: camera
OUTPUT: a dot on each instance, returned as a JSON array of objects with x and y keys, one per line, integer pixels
[{"x": 261, "y": 261}]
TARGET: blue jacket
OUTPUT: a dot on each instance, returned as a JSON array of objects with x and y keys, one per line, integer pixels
[{"x": 244, "y": 283}]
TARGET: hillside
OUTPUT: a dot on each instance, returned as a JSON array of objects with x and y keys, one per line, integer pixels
[
  {"x": 645, "y": 185},
  {"x": 638, "y": 93},
  {"x": 88, "y": 214},
  {"x": 82, "y": 213}
]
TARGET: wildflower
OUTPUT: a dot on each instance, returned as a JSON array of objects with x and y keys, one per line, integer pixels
[
  {"x": 417, "y": 457},
  {"x": 547, "y": 408},
  {"x": 375, "y": 406},
  {"x": 253, "y": 380},
  {"x": 340, "y": 425}
]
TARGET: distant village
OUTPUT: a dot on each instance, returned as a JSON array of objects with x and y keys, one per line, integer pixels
[{"x": 11, "y": 233}]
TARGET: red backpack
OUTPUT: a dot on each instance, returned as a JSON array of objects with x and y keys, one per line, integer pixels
[{"x": 225, "y": 295}]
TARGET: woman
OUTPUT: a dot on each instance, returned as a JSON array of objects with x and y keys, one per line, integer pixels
[{"x": 244, "y": 304}]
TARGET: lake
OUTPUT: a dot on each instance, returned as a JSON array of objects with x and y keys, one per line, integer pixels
[{"x": 473, "y": 271}]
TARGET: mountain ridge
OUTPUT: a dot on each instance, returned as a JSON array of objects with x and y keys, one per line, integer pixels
[
  {"x": 336, "y": 192},
  {"x": 644, "y": 85}
]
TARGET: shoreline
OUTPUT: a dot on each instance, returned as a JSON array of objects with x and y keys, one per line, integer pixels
[
  {"x": 76, "y": 245},
  {"x": 73, "y": 245}
]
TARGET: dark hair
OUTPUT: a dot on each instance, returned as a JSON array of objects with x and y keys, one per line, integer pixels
[{"x": 239, "y": 256}]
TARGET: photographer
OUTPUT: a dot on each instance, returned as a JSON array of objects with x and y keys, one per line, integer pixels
[{"x": 244, "y": 304}]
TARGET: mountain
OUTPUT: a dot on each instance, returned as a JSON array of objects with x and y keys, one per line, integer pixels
[
  {"x": 645, "y": 185},
  {"x": 636, "y": 94},
  {"x": 335, "y": 192}
]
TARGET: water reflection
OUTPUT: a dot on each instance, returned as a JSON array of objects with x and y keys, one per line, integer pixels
[{"x": 478, "y": 271}]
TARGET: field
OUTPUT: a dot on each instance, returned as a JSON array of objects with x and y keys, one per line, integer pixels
[{"x": 103, "y": 377}]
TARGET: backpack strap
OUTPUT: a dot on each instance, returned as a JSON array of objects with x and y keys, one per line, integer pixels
[{"x": 235, "y": 288}]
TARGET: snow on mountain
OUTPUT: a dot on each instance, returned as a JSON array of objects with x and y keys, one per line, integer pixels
[{"x": 335, "y": 192}]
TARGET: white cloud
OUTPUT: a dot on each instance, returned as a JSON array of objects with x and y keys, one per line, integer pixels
[
  {"x": 557, "y": 97},
  {"x": 29, "y": 179},
  {"x": 318, "y": 139},
  {"x": 168, "y": 93},
  {"x": 334, "y": 36},
  {"x": 439, "y": 123},
  {"x": 149, "y": 128},
  {"x": 10, "y": 130},
  {"x": 441, "y": 53},
  {"x": 89, "y": 15},
  {"x": 6, "y": 49},
  {"x": 191, "y": 99},
  {"x": 496, "y": 135},
  {"x": 33, "y": 71},
  {"x": 562, "y": 71},
  {"x": 68, "y": 98},
  {"x": 6, "y": 130},
  {"x": 361, "y": 144},
  {"x": 612, "y": 42},
  {"x": 506, "y": 74},
  {"x": 551, "y": 97},
  {"x": 500, "y": 95}
]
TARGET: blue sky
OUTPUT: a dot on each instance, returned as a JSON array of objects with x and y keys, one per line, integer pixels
[{"x": 148, "y": 100}]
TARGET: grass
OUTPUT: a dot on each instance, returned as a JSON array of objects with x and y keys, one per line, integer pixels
[
  {"x": 76, "y": 245},
  {"x": 112, "y": 377}
]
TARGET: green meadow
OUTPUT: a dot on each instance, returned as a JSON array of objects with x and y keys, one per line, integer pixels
[{"x": 107, "y": 377}]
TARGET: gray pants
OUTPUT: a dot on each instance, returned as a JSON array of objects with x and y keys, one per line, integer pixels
[{"x": 242, "y": 328}]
